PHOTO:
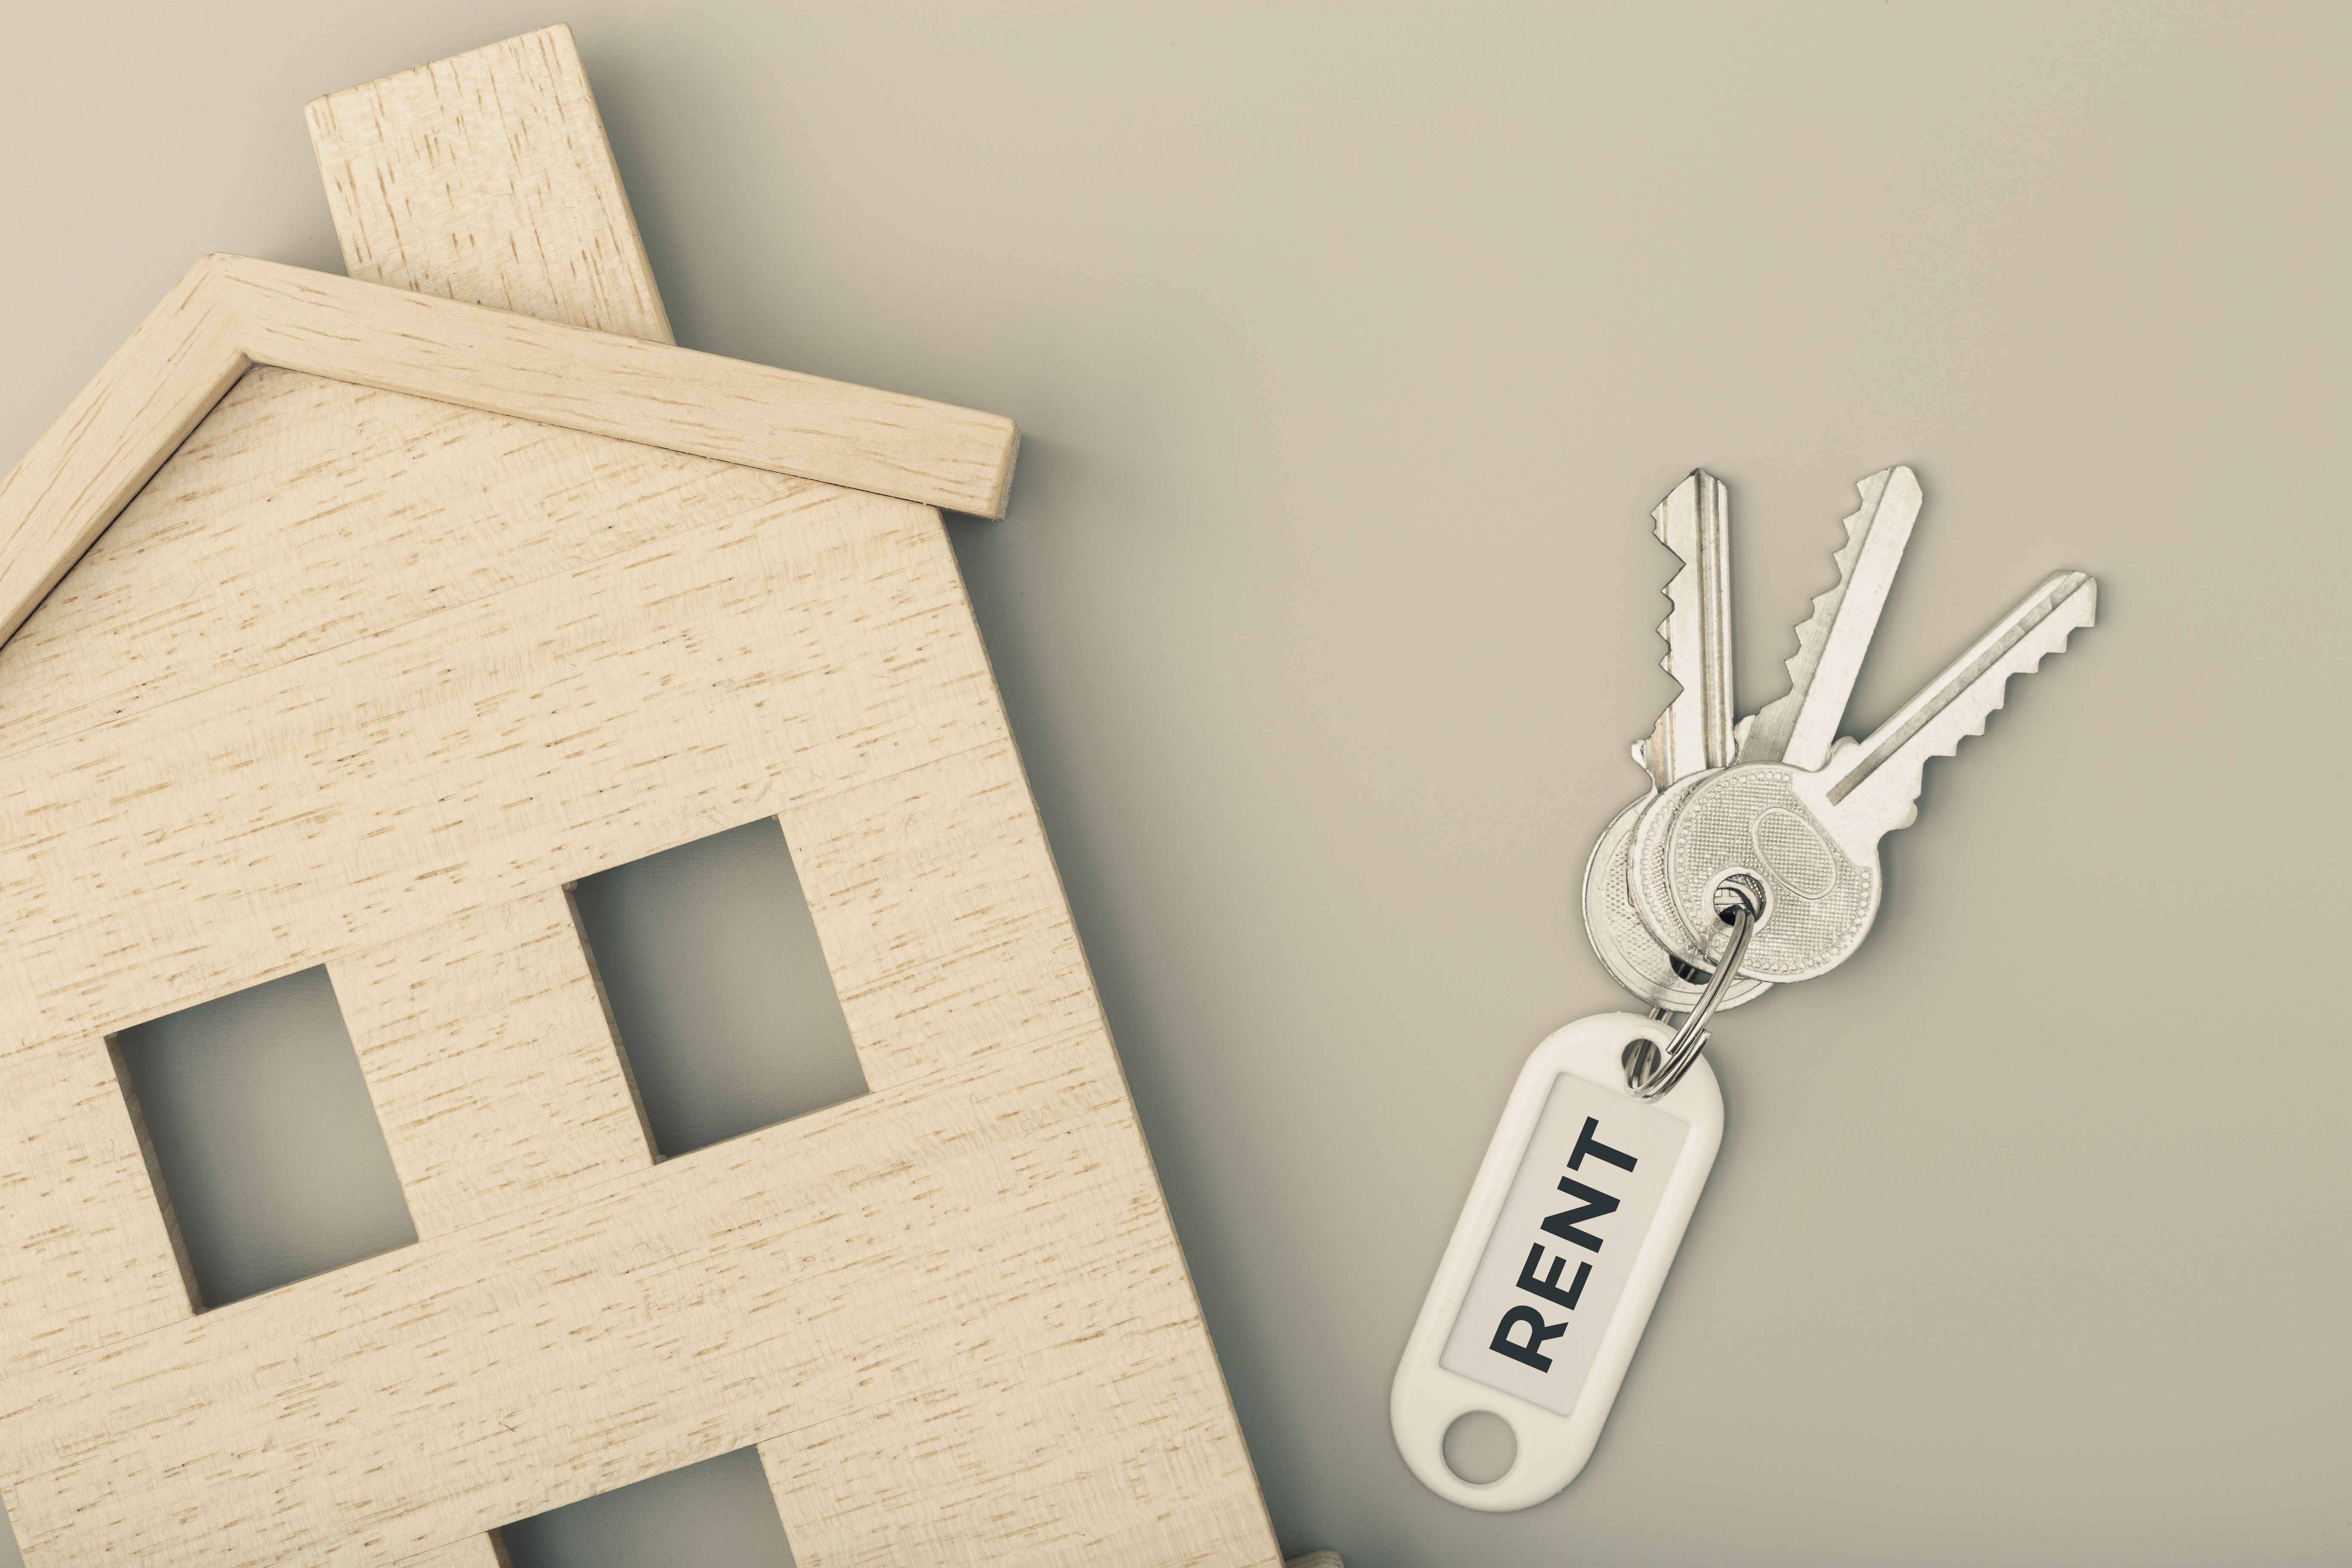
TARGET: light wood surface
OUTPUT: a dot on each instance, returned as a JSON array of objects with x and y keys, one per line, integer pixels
[
  {"x": 489, "y": 1055},
  {"x": 372, "y": 668},
  {"x": 712, "y": 408},
  {"x": 112, "y": 438},
  {"x": 487, "y": 177},
  {"x": 956, "y": 1302},
  {"x": 485, "y": 1551},
  {"x": 231, "y": 313}
]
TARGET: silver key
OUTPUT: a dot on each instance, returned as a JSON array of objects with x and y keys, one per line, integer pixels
[
  {"x": 1806, "y": 842},
  {"x": 1694, "y": 521},
  {"x": 1625, "y": 947},
  {"x": 1646, "y": 873},
  {"x": 1695, "y": 731},
  {"x": 1797, "y": 729}
]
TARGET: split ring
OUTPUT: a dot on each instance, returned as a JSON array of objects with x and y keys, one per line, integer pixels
[{"x": 1651, "y": 1074}]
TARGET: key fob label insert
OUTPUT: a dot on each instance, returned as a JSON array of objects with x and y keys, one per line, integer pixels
[
  {"x": 1558, "y": 1257},
  {"x": 1561, "y": 1251}
]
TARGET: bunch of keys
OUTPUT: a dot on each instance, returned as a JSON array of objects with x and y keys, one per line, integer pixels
[{"x": 1752, "y": 862}]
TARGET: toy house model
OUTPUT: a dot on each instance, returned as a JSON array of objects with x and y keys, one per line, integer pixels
[{"x": 350, "y": 622}]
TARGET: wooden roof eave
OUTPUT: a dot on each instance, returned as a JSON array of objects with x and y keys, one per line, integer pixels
[{"x": 231, "y": 313}]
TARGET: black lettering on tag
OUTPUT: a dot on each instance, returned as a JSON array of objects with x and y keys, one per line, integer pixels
[
  {"x": 1564, "y": 1225},
  {"x": 1529, "y": 1324},
  {"x": 1596, "y": 1204},
  {"x": 1537, "y": 1333},
  {"x": 1549, "y": 1286},
  {"x": 1586, "y": 1143}
]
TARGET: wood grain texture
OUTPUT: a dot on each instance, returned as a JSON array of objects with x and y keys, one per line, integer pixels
[
  {"x": 948, "y": 1300},
  {"x": 952, "y": 1311},
  {"x": 754, "y": 415},
  {"x": 485, "y": 1551},
  {"x": 487, "y": 177},
  {"x": 394, "y": 780},
  {"x": 399, "y": 644},
  {"x": 302, "y": 485},
  {"x": 231, "y": 313},
  {"x": 488, "y": 1053},
  {"x": 143, "y": 401}
]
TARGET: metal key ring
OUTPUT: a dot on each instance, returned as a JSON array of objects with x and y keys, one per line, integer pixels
[{"x": 1651, "y": 1075}]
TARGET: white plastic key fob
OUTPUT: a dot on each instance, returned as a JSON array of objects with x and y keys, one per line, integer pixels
[{"x": 1557, "y": 1259}]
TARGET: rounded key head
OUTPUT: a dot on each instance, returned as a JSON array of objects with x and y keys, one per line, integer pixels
[
  {"x": 1632, "y": 957},
  {"x": 1747, "y": 828},
  {"x": 1652, "y": 901}
]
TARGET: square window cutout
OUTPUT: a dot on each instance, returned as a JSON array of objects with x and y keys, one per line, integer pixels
[
  {"x": 261, "y": 1141},
  {"x": 716, "y": 1512},
  {"x": 718, "y": 990}
]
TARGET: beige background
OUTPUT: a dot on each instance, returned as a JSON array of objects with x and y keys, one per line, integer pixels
[{"x": 1353, "y": 346}]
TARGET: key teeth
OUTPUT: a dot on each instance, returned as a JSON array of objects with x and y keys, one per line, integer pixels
[
  {"x": 1643, "y": 748},
  {"x": 1816, "y": 626},
  {"x": 1685, "y": 582},
  {"x": 1658, "y": 513},
  {"x": 2065, "y": 632},
  {"x": 1814, "y": 630},
  {"x": 1677, "y": 592}
]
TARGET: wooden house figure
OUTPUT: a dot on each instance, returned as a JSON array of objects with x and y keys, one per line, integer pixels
[{"x": 350, "y": 622}]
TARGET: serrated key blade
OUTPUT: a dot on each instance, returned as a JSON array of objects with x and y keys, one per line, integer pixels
[
  {"x": 1797, "y": 729},
  {"x": 1873, "y": 789},
  {"x": 1695, "y": 731}
]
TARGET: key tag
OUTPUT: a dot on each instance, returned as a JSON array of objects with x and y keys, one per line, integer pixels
[{"x": 1574, "y": 1220}]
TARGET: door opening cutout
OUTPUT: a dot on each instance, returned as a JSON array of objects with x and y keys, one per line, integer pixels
[
  {"x": 720, "y": 995},
  {"x": 262, "y": 1144},
  {"x": 718, "y": 1511}
]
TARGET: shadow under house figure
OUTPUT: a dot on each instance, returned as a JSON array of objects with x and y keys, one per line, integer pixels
[{"x": 352, "y": 621}]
